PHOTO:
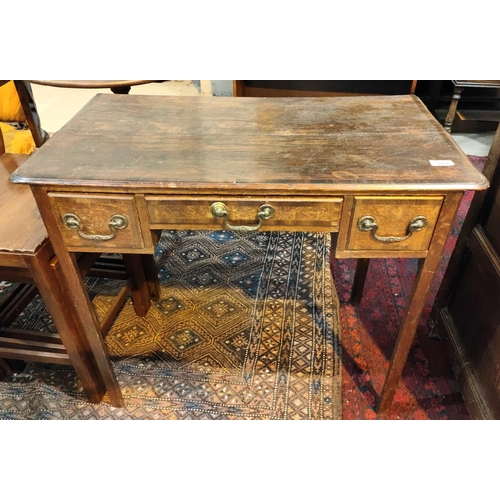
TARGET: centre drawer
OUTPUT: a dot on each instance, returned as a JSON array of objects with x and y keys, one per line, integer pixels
[{"x": 284, "y": 214}]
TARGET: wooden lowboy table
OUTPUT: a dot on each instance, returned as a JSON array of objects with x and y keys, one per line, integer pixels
[{"x": 379, "y": 173}]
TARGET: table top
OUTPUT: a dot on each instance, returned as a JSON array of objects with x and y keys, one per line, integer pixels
[{"x": 244, "y": 145}]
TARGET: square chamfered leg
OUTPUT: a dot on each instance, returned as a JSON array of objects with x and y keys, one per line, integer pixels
[
  {"x": 423, "y": 281},
  {"x": 141, "y": 296},
  {"x": 358, "y": 284}
]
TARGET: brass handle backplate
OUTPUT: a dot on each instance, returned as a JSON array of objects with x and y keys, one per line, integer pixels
[
  {"x": 264, "y": 212},
  {"x": 72, "y": 221},
  {"x": 369, "y": 223}
]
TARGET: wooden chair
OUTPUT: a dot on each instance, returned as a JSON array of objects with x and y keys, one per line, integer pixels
[
  {"x": 27, "y": 258},
  {"x": 29, "y": 107},
  {"x": 116, "y": 86}
]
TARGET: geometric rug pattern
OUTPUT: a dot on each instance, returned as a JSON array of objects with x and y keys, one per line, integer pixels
[{"x": 247, "y": 327}]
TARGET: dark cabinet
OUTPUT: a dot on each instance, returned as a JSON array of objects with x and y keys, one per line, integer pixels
[
  {"x": 466, "y": 312},
  {"x": 319, "y": 88},
  {"x": 478, "y": 109}
]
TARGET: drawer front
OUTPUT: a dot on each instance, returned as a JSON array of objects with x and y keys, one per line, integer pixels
[
  {"x": 393, "y": 223},
  {"x": 97, "y": 221},
  {"x": 291, "y": 214}
]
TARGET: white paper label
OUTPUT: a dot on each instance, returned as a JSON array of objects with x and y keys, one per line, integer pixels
[{"x": 441, "y": 163}]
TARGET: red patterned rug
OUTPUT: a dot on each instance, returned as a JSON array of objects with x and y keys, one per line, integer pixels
[{"x": 428, "y": 389}]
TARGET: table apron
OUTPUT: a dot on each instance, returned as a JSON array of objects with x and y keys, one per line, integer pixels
[{"x": 126, "y": 223}]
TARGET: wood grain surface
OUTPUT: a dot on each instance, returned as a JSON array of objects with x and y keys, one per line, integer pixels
[{"x": 246, "y": 145}]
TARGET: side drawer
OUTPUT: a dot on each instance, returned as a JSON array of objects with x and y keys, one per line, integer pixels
[
  {"x": 290, "y": 214},
  {"x": 97, "y": 222},
  {"x": 392, "y": 223}
]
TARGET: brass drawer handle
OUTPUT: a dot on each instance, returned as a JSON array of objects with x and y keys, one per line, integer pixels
[
  {"x": 368, "y": 223},
  {"x": 264, "y": 212},
  {"x": 72, "y": 221}
]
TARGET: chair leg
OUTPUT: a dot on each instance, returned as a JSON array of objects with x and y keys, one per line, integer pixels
[
  {"x": 30, "y": 112},
  {"x": 13, "y": 306},
  {"x": 46, "y": 279},
  {"x": 452, "y": 111}
]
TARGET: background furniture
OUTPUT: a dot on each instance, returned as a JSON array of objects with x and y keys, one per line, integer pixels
[
  {"x": 479, "y": 106},
  {"x": 466, "y": 311},
  {"x": 18, "y": 138},
  {"x": 27, "y": 259},
  {"x": 458, "y": 88},
  {"x": 321, "y": 88},
  {"x": 116, "y": 86},
  {"x": 29, "y": 106}
]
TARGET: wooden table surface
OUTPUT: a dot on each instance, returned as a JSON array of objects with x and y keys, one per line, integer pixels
[{"x": 272, "y": 145}]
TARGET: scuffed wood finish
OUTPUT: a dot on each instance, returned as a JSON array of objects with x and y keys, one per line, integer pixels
[
  {"x": 246, "y": 146},
  {"x": 32, "y": 346},
  {"x": 452, "y": 110}
]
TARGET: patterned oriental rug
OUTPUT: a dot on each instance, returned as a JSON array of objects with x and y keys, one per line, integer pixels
[{"x": 247, "y": 328}]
